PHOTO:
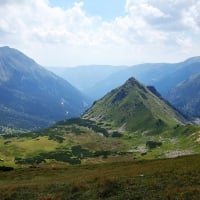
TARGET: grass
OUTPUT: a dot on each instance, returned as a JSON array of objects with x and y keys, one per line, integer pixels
[
  {"x": 24, "y": 147},
  {"x": 106, "y": 167},
  {"x": 166, "y": 179},
  {"x": 57, "y": 143}
]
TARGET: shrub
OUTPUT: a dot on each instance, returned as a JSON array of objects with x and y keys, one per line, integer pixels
[
  {"x": 153, "y": 144},
  {"x": 4, "y": 168},
  {"x": 116, "y": 134}
]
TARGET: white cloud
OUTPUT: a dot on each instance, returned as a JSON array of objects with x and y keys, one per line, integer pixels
[
  {"x": 150, "y": 30},
  {"x": 191, "y": 17}
]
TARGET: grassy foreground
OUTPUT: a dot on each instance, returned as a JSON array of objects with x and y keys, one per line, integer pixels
[{"x": 166, "y": 179}]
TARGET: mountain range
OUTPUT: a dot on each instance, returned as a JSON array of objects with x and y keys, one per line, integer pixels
[
  {"x": 122, "y": 140},
  {"x": 186, "y": 96},
  {"x": 163, "y": 76},
  {"x": 32, "y": 97},
  {"x": 130, "y": 122}
]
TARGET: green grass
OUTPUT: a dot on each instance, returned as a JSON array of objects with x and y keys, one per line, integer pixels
[
  {"x": 158, "y": 179},
  {"x": 111, "y": 168},
  {"x": 57, "y": 143},
  {"x": 23, "y": 147}
]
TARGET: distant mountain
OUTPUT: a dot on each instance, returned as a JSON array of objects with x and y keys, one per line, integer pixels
[
  {"x": 85, "y": 77},
  {"x": 185, "y": 70},
  {"x": 32, "y": 97},
  {"x": 163, "y": 76},
  {"x": 134, "y": 107},
  {"x": 146, "y": 73},
  {"x": 186, "y": 96}
]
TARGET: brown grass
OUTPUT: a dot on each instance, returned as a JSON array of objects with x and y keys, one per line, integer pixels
[{"x": 159, "y": 179}]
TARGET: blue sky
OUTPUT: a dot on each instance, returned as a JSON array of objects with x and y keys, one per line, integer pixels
[
  {"x": 110, "y": 32},
  {"x": 107, "y": 9}
]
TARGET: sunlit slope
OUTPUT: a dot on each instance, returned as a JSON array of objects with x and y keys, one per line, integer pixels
[{"x": 134, "y": 107}]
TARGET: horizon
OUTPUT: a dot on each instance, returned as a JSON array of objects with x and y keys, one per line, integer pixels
[
  {"x": 127, "y": 32},
  {"x": 99, "y": 65}
]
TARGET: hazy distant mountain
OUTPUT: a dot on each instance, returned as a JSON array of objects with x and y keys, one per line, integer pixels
[
  {"x": 186, "y": 96},
  {"x": 164, "y": 76},
  {"x": 32, "y": 97},
  {"x": 185, "y": 70},
  {"x": 85, "y": 77},
  {"x": 134, "y": 107},
  {"x": 146, "y": 73}
]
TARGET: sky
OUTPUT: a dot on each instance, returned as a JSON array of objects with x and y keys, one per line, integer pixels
[{"x": 111, "y": 32}]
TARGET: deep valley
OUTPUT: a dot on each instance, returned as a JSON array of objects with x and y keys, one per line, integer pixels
[{"x": 138, "y": 140}]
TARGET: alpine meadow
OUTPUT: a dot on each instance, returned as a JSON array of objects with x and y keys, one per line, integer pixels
[{"x": 113, "y": 109}]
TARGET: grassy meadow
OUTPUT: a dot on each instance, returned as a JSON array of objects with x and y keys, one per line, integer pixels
[
  {"x": 81, "y": 159},
  {"x": 83, "y": 141},
  {"x": 166, "y": 179}
]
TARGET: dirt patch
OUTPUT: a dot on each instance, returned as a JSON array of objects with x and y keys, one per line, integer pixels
[
  {"x": 198, "y": 140},
  {"x": 173, "y": 154}
]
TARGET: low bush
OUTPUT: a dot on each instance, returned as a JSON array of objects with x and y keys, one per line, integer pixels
[
  {"x": 153, "y": 144},
  {"x": 5, "y": 168}
]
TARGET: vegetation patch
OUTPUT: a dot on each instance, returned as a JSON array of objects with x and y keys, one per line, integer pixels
[
  {"x": 153, "y": 144},
  {"x": 165, "y": 179},
  {"x": 71, "y": 156},
  {"x": 116, "y": 134},
  {"x": 5, "y": 168}
]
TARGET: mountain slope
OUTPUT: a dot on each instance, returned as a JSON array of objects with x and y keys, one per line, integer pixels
[
  {"x": 130, "y": 122},
  {"x": 36, "y": 96},
  {"x": 134, "y": 107},
  {"x": 146, "y": 73},
  {"x": 187, "y": 69},
  {"x": 163, "y": 76},
  {"x": 186, "y": 96}
]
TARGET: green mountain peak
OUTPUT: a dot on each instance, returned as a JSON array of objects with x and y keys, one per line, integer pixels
[{"x": 135, "y": 108}]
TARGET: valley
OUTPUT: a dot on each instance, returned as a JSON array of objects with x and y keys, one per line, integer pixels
[
  {"x": 99, "y": 100},
  {"x": 131, "y": 122},
  {"x": 131, "y": 142}
]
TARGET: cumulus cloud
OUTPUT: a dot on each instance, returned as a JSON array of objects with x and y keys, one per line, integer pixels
[{"x": 150, "y": 30}]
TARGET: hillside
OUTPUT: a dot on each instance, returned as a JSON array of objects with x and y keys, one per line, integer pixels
[
  {"x": 186, "y": 96},
  {"x": 80, "y": 141},
  {"x": 187, "y": 69},
  {"x": 130, "y": 122},
  {"x": 163, "y": 76},
  {"x": 146, "y": 73},
  {"x": 158, "y": 179},
  {"x": 134, "y": 107},
  {"x": 31, "y": 96}
]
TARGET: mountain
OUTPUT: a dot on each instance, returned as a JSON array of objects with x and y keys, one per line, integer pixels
[
  {"x": 185, "y": 70},
  {"x": 85, "y": 77},
  {"x": 163, "y": 76},
  {"x": 146, "y": 73},
  {"x": 134, "y": 107},
  {"x": 130, "y": 122},
  {"x": 96, "y": 81},
  {"x": 186, "y": 96},
  {"x": 32, "y": 97}
]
